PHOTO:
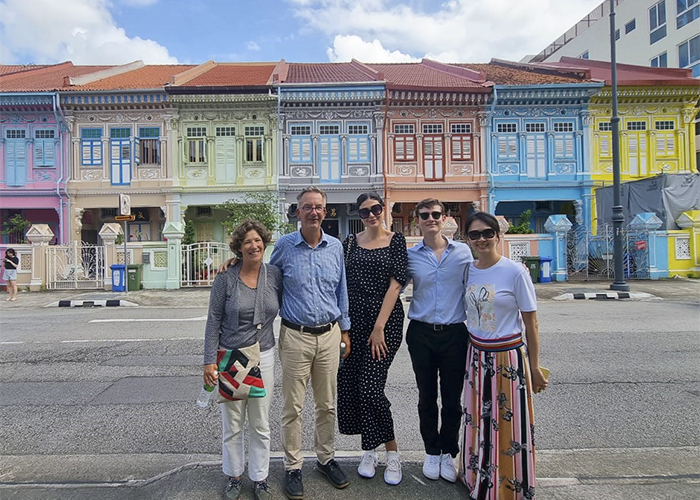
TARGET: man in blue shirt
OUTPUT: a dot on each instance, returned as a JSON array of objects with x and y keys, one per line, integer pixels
[
  {"x": 314, "y": 321},
  {"x": 437, "y": 336}
]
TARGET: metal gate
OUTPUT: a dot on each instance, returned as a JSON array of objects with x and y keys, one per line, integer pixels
[
  {"x": 590, "y": 256},
  {"x": 78, "y": 266},
  {"x": 201, "y": 261}
]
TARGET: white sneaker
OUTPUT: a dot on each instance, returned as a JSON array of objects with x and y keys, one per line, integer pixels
[
  {"x": 431, "y": 467},
  {"x": 368, "y": 464},
  {"x": 447, "y": 468},
  {"x": 392, "y": 473}
]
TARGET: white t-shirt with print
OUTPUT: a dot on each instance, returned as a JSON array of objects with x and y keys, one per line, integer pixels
[{"x": 495, "y": 297}]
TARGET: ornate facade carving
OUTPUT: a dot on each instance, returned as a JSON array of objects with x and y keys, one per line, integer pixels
[
  {"x": 301, "y": 171},
  {"x": 91, "y": 174},
  {"x": 406, "y": 170},
  {"x": 358, "y": 171},
  {"x": 149, "y": 173}
]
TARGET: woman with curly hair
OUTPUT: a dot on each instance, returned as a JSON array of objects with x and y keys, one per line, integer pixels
[{"x": 244, "y": 302}]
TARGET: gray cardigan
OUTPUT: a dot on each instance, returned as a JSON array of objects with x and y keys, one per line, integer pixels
[{"x": 238, "y": 315}]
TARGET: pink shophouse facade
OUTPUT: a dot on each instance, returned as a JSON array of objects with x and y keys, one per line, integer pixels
[{"x": 33, "y": 158}]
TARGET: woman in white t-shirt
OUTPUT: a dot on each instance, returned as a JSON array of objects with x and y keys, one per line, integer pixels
[{"x": 498, "y": 453}]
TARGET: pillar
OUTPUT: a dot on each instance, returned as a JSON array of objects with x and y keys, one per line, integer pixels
[
  {"x": 558, "y": 226},
  {"x": 109, "y": 234},
  {"x": 39, "y": 236},
  {"x": 651, "y": 241},
  {"x": 173, "y": 232}
]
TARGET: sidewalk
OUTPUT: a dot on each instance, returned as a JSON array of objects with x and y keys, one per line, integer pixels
[
  {"x": 610, "y": 474},
  {"x": 681, "y": 289}
]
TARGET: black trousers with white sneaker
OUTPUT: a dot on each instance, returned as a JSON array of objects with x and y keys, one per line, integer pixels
[{"x": 438, "y": 354}]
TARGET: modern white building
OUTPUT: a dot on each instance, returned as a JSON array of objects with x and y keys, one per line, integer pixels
[{"x": 655, "y": 33}]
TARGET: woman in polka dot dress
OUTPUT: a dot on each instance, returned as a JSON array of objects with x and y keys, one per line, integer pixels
[{"x": 375, "y": 263}]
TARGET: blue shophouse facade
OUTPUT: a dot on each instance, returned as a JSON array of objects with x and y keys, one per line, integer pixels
[{"x": 538, "y": 152}]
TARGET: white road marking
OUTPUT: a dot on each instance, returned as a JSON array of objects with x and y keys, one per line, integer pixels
[
  {"x": 146, "y": 320},
  {"x": 84, "y": 341}
]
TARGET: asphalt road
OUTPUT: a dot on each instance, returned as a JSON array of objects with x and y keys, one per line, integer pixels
[{"x": 106, "y": 396}]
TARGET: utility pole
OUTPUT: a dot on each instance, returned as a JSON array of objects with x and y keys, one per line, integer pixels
[{"x": 618, "y": 217}]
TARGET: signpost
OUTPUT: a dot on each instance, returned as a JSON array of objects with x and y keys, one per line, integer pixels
[{"x": 125, "y": 216}]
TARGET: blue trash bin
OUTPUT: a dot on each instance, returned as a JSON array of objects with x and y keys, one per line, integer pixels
[
  {"x": 118, "y": 277},
  {"x": 545, "y": 270}
]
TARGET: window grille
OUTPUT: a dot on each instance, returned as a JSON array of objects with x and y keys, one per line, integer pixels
[
  {"x": 507, "y": 128},
  {"x": 461, "y": 128},
  {"x": 432, "y": 128}
]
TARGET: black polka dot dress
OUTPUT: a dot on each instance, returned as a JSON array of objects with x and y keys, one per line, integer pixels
[{"x": 363, "y": 408}]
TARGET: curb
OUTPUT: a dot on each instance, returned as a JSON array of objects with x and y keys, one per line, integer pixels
[
  {"x": 92, "y": 303},
  {"x": 606, "y": 296}
]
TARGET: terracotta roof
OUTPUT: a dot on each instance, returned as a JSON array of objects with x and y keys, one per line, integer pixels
[
  {"x": 44, "y": 78},
  {"x": 6, "y": 69},
  {"x": 628, "y": 74},
  {"x": 420, "y": 75},
  {"x": 146, "y": 77},
  {"x": 504, "y": 74},
  {"x": 329, "y": 73},
  {"x": 234, "y": 75}
]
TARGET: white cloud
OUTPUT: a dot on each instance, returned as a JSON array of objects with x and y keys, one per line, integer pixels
[
  {"x": 348, "y": 47},
  {"x": 252, "y": 46},
  {"x": 83, "y": 31},
  {"x": 457, "y": 30}
]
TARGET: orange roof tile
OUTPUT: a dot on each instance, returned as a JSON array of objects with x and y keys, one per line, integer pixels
[
  {"x": 629, "y": 74},
  {"x": 504, "y": 74},
  {"x": 45, "y": 78},
  {"x": 419, "y": 75},
  {"x": 233, "y": 75},
  {"x": 146, "y": 77},
  {"x": 6, "y": 69},
  {"x": 327, "y": 73}
]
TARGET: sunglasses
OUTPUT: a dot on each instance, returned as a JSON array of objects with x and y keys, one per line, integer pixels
[
  {"x": 487, "y": 234},
  {"x": 375, "y": 210},
  {"x": 425, "y": 215}
]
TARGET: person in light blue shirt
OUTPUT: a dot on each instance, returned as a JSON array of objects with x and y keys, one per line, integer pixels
[
  {"x": 314, "y": 322},
  {"x": 316, "y": 290},
  {"x": 437, "y": 336}
]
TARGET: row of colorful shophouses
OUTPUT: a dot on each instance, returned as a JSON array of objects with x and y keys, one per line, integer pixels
[{"x": 502, "y": 137}]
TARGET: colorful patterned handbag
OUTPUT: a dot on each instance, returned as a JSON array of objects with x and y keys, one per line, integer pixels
[{"x": 239, "y": 374}]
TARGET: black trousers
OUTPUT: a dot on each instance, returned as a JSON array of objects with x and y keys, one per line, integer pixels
[{"x": 439, "y": 354}]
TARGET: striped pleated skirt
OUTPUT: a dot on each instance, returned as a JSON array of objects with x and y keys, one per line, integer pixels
[{"x": 497, "y": 460}]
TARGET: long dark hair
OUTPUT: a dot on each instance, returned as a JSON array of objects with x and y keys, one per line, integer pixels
[{"x": 11, "y": 250}]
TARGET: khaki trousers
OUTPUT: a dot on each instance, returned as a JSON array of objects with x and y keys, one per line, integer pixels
[{"x": 304, "y": 355}]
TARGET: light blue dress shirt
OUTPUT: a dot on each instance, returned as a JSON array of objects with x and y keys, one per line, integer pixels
[
  {"x": 313, "y": 280},
  {"x": 438, "y": 287}
]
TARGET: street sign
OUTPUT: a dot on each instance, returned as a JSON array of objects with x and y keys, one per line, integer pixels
[
  {"x": 128, "y": 218},
  {"x": 124, "y": 204}
]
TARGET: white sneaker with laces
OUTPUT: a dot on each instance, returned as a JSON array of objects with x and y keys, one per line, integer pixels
[
  {"x": 392, "y": 473},
  {"x": 431, "y": 467},
  {"x": 447, "y": 468},
  {"x": 368, "y": 464}
]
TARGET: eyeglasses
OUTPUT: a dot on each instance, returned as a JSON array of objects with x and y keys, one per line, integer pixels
[
  {"x": 376, "y": 210},
  {"x": 307, "y": 209},
  {"x": 425, "y": 215},
  {"x": 487, "y": 234}
]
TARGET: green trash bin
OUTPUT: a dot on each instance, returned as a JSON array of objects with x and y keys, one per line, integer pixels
[
  {"x": 532, "y": 264},
  {"x": 133, "y": 277}
]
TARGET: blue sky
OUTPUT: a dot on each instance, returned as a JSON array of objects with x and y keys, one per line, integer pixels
[{"x": 194, "y": 31}]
